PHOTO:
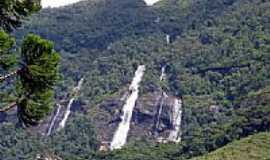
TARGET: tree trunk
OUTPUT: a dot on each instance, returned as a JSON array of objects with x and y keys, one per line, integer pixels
[
  {"x": 9, "y": 107},
  {"x": 3, "y": 78}
]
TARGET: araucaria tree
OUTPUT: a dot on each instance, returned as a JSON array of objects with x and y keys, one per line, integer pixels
[{"x": 34, "y": 72}]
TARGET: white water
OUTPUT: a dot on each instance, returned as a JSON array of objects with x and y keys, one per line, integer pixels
[
  {"x": 79, "y": 86},
  {"x": 120, "y": 136},
  {"x": 150, "y": 2},
  {"x": 54, "y": 119},
  {"x": 67, "y": 113},
  {"x": 164, "y": 95},
  {"x": 168, "y": 39},
  {"x": 177, "y": 118},
  {"x": 163, "y": 74}
]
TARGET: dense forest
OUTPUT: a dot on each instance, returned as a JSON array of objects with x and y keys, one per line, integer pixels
[{"x": 217, "y": 61}]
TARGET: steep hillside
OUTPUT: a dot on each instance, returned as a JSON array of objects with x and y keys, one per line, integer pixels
[
  {"x": 251, "y": 148},
  {"x": 205, "y": 84}
]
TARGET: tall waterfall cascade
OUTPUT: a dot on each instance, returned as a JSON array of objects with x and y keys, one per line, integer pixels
[
  {"x": 54, "y": 119},
  {"x": 120, "y": 136},
  {"x": 67, "y": 113},
  {"x": 176, "y": 120},
  {"x": 151, "y": 2},
  {"x": 175, "y": 133}
]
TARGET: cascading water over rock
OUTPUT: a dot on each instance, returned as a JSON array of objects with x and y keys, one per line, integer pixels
[
  {"x": 176, "y": 115},
  {"x": 120, "y": 136},
  {"x": 163, "y": 74},
  {"x": 162, "y": 97},
  {"x": 168, "y": 39},
  {"x": 160, "y": 109},
  {"x": 175, "y": 133},
  {"x": 67, "y": 113},
  {"x": 54, "y": 119}
]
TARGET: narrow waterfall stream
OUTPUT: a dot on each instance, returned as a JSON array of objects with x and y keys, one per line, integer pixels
[
  {"x": 67, "y": 113},
  {"x": 175, "y": 134},
  {"x": 62, "y": 124},
  {"x": 163, "y": 74},
  {"x": 163, "y": 96},
  {"x": 160, "y": 109},
  {"x": 54, "y": 119},
  {"x": 120, "y": 136},
  {"x": 168, "y": 39}
]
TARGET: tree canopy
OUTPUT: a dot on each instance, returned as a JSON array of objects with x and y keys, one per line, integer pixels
[
  {"x": 35, "y": 66},
  {"x": 12, "y": 12}
]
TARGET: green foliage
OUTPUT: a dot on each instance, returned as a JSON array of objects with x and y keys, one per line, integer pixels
[
  {"x": 78, "y": 138},
  {"x": 252, "y": 148},
  {"x": 40, "y": 63},
  {"x": 7, "y": 59},
  {"x": 219, "y": 56},
  {"x": 38, "y": 75},
  {"x": 12, "y": 12},
  {"x": 38, "y": 67}
]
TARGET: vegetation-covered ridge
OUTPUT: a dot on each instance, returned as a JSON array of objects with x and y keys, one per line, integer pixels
[
  {"x": 217, "y": 61},
  {"x": 252, "y": 148}
]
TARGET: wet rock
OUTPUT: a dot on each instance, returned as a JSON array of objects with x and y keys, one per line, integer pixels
[{"x": 144, "y": 119}]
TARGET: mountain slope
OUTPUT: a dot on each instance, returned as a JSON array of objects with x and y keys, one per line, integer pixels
[
  {"x": 216, "y": 60},
  {"x": 252, "y": 148}
]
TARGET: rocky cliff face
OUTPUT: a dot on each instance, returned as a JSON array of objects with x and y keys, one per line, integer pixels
[
  {"x": 156, "y": 116},
  {"x": 152, "y": 117},
  {"x": 57, "y": 119}
]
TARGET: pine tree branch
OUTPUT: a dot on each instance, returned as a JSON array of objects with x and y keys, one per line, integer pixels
[
  {"x": 5, "y": 77},
  {"x": 9, "y": 107}
]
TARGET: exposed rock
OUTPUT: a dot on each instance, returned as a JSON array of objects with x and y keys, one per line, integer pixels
[
  {"x": 214, "y": 108},
  {"x": 144, "y": 119},
  {"x": 47, "y": 156},
  {"x": 104, "y": 146}
]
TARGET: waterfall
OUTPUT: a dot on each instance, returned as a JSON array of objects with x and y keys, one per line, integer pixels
[
  {"x": 120, "y": 136},
  {"x": 168, "y": 39},
  {"x": 62, "y": 124},
  {"x": 164, "y": 95},
  {"x": 174, "y": 135},
  {"x": 77, "y": 89},
  {"x": 163, "y": 74},
  {"x": 54, "y": 119},
  {"x": 67, "y": 113}
]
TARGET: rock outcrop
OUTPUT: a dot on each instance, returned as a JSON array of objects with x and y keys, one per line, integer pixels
[{"x": 148, "y": 120}]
